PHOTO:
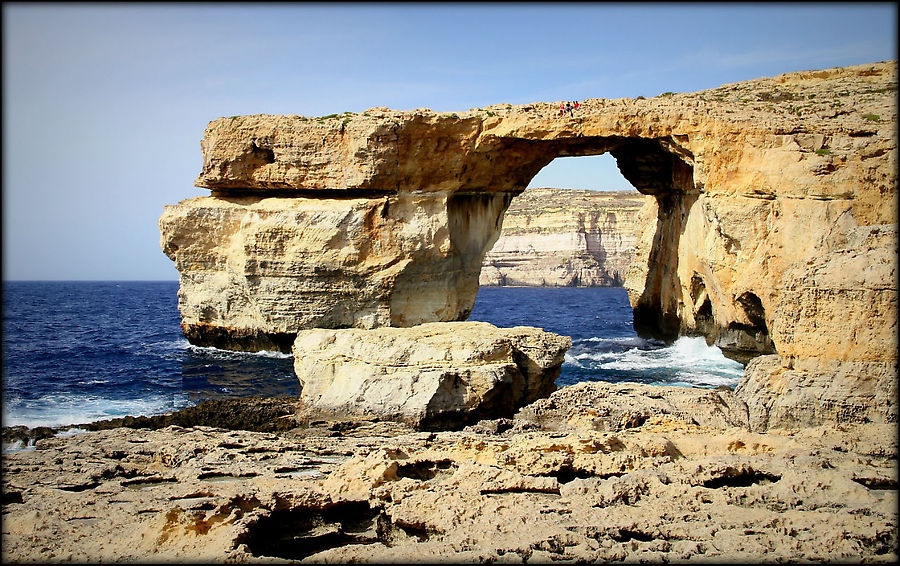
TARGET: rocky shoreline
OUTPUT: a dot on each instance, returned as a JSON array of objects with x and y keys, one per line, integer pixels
[
  {"x": 772, "y": 231},
  {"x": 594, "y": 472},
  {"x": 768, "y": 226},
  {"x": 258, "y": 414}
]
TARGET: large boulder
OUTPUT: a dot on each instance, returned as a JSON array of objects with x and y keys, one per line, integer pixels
[{"x": 431, "y": 376}]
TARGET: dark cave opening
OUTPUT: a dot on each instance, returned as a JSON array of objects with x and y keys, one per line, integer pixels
[{"x": 296, "y": 533}]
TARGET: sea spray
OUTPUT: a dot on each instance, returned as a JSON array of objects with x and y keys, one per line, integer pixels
[
  {"x": 605, "y": 346},
  {"x": 687, "y": 361}
]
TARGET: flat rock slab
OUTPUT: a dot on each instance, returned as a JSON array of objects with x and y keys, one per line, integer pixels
[{"x": 433, "y": 375}]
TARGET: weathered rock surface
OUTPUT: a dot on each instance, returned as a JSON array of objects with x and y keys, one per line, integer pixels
[
  {"x": 836, "y": 336},
  {"x": 768, "y": 194},
  {"x": 616, "y": 406},
  {"x": 256, "y": 270},
  {"x": 433, "y": 375},
  {"x": 565, "y": 238},
  {"x": 656, "y": 474}
]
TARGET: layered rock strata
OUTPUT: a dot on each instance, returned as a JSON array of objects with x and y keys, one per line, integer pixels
[
  {"x": 431, "y": 376},
  {"x": 565, "y": 238},
  {"x": 767, "y": 194},
  {"x": 594, "y": 473},
  {"x": 255, "y": 270}
]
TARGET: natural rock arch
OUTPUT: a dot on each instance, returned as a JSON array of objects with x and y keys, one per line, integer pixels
[
  {"x": 657, "y": 167},
  {"x": 784, "y": 215}
]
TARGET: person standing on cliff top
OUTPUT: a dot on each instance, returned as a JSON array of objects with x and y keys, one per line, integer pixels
[{"x": 562, "y": 109}]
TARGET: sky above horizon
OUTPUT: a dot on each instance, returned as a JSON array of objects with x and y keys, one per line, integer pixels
[{"x": 104, "y": 105}]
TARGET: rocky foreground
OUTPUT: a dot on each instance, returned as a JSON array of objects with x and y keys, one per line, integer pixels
[{"x": 595, "y": 472}]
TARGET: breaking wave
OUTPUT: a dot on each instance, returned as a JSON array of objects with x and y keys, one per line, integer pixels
[{"x": 687, "y": 361}]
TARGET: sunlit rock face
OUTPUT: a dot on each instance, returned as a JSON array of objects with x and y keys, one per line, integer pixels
[
  {"x": 565, "y": 238},
  {"x": 772, "y": 227},
  {"x": 256, "y": 270}
]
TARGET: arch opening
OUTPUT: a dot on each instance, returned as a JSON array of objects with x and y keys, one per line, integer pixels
[
  {"x": 599, "y": 172},
  {"x": 659, "y": 175},
  {"x": 574, "y": 226},
  {"x": 653, "y": 166}
]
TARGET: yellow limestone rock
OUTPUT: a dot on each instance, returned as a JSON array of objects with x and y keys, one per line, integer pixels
[
  {"x": 685, "y": 484},
  {"x": 767, "y": 195},
  {"x": 256, "y": 270}
]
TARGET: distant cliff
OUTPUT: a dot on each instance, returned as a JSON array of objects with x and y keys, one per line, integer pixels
[{"x": 565, "y": 237}]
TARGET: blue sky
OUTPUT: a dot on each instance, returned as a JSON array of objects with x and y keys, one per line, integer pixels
[{"x": 104, "y": 105}]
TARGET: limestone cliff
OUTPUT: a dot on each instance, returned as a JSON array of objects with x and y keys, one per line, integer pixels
[
  {"x": 772, "y": 229},
  {"x": 565, "y": 238}
]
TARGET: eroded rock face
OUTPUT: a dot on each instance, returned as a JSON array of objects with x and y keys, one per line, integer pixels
[
  {"x": 565, "y": 238},
  {"x": 761, "y": 190},
  {"x": 431, "y": 375},
  {"x": 256, "y": 270}
]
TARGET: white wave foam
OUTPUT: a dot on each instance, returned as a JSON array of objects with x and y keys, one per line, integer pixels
[
  {"x": 234, "y": 354},
  {"x": 181, "y": 345},
  {"x": 166, "y": 348},
  {"x": 94, "y": 382},
  {"x": 709, "y": 379},
  {"x": 685, "y": 353},
  {"x": 571, "y": 360},
  {"x": 633, "y": 341},
  {"x": 61, "y": 410},
  {"x": 18, "y": 446},
  {"x": 689, "y": 359},
  {"x": 599, "y": 356}
]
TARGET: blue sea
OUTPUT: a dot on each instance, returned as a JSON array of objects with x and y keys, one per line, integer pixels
[{"x": 76, "y": 352}]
